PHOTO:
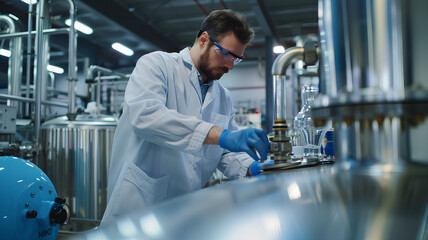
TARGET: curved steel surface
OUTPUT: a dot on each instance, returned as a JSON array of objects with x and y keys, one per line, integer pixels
[
  {"x": 290, "y": 56},
  {"x": 316, "y": 203},
  {"x": 373, "y": 51},
  {"x": 76, "y": 157},
  {"x": 86, "y": 120}
]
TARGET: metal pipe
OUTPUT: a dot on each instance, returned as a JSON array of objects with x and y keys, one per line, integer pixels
[
  {"x": 30, "y": 100},
  {"x": 94, "y": 68},
  {"x": 56, "y": 91},
  {"x": 116, "y": 77},
  {"x": 279, "y": 68},
  {"x": 98, "y": 93},
  {"x": 290, "y": 56},
  {"x": 53, "y": 31},
  {"x": 45, "y": 61},
  {"x": 29, "y": 48},
  {"x": 72, "y": 74},
  {"x": 117, "y": 82},
  {"x": 15, "y": 62},
  {"x": 39, "y": 74}
]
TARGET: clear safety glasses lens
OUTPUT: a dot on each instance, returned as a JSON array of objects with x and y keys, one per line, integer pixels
[{"x": 226, "y": 56}]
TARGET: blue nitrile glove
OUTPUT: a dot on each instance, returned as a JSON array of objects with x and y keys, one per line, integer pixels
[
  {"x": 246, "y": 140},
  {"x": 256, "y": 167}
]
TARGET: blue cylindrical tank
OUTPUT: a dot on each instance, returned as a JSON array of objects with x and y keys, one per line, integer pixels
[{"x": 29, "y": 205}]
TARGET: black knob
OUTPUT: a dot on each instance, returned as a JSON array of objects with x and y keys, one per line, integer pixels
[
  {"x": 58, "y": 215},
  {"x": 31, "y": 214},
  {"x": 60, "y": 200}
]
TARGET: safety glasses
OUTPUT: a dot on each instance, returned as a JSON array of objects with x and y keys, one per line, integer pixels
[{"x": 226, "y": 54}]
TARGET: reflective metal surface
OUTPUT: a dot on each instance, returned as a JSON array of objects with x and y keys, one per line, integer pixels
[
  {"x": 373, "y": 50},
  {"x": 375, "y": 87},
  {"x": 314, "y": 203},
  {"x": 15, "y": 60},
  {"x": 76, "y": 157}
]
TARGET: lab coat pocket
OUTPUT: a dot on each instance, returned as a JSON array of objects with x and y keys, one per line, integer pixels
[
  {"x": 151, "y": 189},
  {"x": 219, "y": 120}
]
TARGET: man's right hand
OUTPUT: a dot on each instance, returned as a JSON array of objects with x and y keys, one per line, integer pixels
[{"x": 246, "y": 140}]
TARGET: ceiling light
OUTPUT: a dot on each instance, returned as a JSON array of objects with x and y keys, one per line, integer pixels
[
  {"x": 120, "y": 48},
  {"x": 55, "y": 69},
  {"x": 80, "y": 26},
  {"x": 278, "y": 49},
  {"x": 28, "y": 1},
  {"x": 13, "y": 17},
  {"x": 4, "y": 52}
]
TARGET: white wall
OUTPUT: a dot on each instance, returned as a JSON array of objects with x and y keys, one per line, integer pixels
[{"x": 246, "y": 84}]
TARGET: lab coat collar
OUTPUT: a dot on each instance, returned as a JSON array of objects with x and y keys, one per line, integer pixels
[
  {"x": 212, "y": 90},
  {"x": 187, "y": 59},
  {"x": 193, "y": 75}
]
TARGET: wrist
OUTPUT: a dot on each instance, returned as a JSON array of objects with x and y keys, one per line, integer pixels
[{"x": 213, "y": 136}]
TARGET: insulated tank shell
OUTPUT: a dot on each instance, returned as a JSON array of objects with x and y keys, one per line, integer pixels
[{"x": 76, "y": 157}]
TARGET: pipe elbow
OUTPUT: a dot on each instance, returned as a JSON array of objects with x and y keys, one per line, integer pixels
[{"x": 290, "y": 56}]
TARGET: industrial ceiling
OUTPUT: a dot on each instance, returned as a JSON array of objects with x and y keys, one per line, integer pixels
[{"x": 168, "y": 25}]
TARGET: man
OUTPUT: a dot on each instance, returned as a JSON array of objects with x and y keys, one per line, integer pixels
[{"x": 178, "y": 124}]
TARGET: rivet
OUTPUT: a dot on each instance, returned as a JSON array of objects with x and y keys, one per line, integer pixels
[
  {"x": 27, "y": 204},
  {"x": 33, "y": 194},
  {"x": 41, "y": 187},
  {"x": 50, "y": 191}
]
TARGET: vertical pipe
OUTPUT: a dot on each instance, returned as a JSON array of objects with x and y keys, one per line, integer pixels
[
  {"x": 279, "y": 69},
  {"x": 72, "y": 74},
  {"x": 39, "y": 75},
  {"x": 280, "y": 106},
  {"x": 98, "y": 93},
  {"x": 269, "y": 84},
  {"x": 29, "y": 48},
  {"x": 115, "y": 108},
  {"x": 45, "y": 60}
]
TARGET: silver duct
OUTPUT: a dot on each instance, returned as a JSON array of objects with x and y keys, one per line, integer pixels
[
  {"x": 375, "y": 86},
  {"x": 279, "y": 69},
  {"x": 15, "y": 62},
  {"x": 72, "y": 71},
  {"x": 40, "y": 67}
]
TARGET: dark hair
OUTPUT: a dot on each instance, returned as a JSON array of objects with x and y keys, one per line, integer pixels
[{"x": 220, "y": 22}]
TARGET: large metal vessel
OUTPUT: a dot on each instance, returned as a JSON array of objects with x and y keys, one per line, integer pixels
[
  {"x": 375, "y": 87},
  {"x": 76, "y": 157}
]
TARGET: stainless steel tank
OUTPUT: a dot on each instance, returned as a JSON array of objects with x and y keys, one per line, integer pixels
[
  {"x": 375, "y": 87},
  {"x": 76, "y": 157}
]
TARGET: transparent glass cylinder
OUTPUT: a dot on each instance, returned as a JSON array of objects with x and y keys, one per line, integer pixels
[{"x": 312, "y": 135}]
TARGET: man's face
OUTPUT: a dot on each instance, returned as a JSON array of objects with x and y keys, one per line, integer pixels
[{"x": 212, "y": 64}]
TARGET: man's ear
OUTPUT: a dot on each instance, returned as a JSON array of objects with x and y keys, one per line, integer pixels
[{"x": 203, "y": 39}]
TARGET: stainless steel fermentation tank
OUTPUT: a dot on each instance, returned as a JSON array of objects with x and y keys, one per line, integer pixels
[
  {"x": 76, "y": 157},
  {"x": 375, "y": 87}
]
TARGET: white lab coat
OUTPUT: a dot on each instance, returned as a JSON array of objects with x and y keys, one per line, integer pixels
[{"x": 158, "y": 150}]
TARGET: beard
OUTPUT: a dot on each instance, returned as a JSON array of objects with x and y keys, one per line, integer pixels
[{"x": 210, "y": 74}]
